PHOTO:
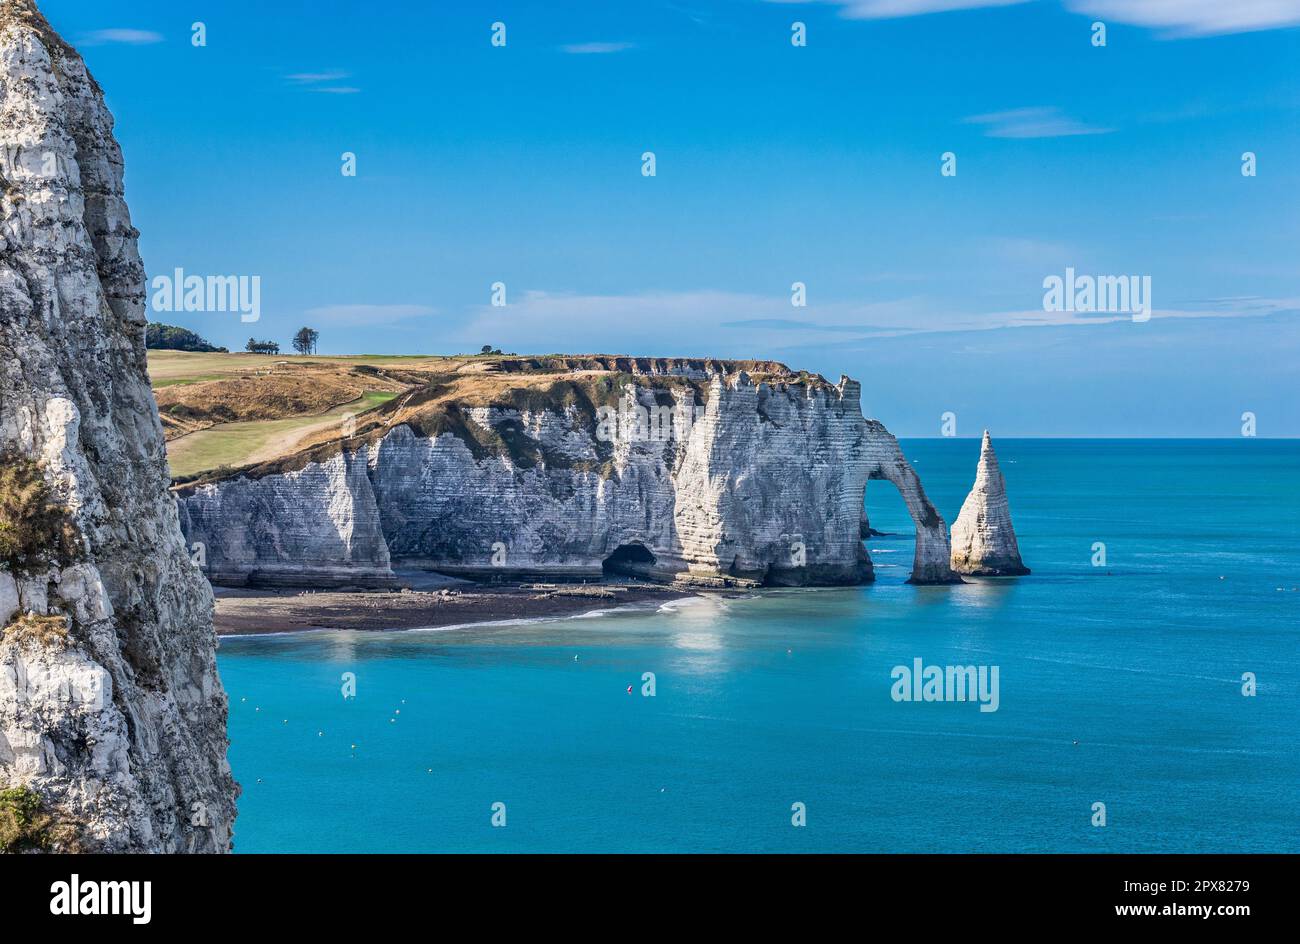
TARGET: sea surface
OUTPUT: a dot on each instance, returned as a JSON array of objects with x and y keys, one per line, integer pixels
[{"x": 1119, "y": 684}]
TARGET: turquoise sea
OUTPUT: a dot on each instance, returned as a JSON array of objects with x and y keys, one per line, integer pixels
[{"x": 785, "y": 698}]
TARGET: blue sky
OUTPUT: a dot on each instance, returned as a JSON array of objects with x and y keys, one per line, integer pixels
[{"x": 775, "y": 164}]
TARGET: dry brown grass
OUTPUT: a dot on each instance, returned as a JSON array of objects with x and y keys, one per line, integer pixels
[
  {"x": 35, "y": 531},
  {"x": 26, "y": 825},
  {"x": 47, "y": 632},
  {"x": 280, "y": 390},
  {"x": 167, "y": 368}
]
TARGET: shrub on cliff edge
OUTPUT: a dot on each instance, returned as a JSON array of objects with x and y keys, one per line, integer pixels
[
  {"x": 26, "y": 826},
  {"x": 48, "y": 632}
]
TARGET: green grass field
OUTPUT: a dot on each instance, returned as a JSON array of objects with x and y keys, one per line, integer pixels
[
  {"x": 246, "y": 443},
  {"x": 237, "y": 444}
]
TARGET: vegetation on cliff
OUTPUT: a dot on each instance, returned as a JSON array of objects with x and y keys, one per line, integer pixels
[
  {"x": 46, "y": 632},
  {"x": 164, "y": 337},
  {"x": 36, "y": 532},
  {"x": 26, "y": 826}
]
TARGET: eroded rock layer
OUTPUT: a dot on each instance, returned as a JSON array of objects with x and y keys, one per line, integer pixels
[
  {"x": 112, "y": 716},
  {"x": 698, "y": 470}
]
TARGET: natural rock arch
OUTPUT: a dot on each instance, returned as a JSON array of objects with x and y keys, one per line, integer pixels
[{"x": 931, "y": 562}]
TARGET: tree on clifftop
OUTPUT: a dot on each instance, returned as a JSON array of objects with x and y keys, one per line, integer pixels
[
  {"x": 304, "y": 342},
  {"x": 163, "y": 337}
]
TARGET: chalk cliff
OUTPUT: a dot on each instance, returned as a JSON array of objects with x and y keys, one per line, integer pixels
[
  {"x": 112, "y": 717},
  {"x": 983, "y": 541},
  {"x": 710, "y": 472}
]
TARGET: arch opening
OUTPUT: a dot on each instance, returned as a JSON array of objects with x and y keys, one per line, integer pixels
[{"x": 629, "y": 560}]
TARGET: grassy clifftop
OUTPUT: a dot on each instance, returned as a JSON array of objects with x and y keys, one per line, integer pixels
[
  {"x": 264, "y": 414},
  {"x": 222, "y": 410}
]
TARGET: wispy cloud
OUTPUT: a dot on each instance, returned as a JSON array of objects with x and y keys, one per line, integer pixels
[
  {"x": 125, "y": 37},
  {"x": 590, "y": 49},
  {"x": 1248, "y": 305},
  {"x": 1024, "y": 251},
  {"x": 891, "y": 9},
  {"x": 1178, "y": 18},
  {"x": 367, "y": 316},
  {"x": 952, "y": 323},
  {"x": 696, "y": 16},
  {"x": 790, "y": 324},
  {"x": 1045, "y": 122},
  {"x": 1186, "y": 18},
  {"x": 649, "y": 322},
  {"x": 721, "y": 323},
  {"x": 318, "y": 82},
  {"x": 305, "y": 78}
]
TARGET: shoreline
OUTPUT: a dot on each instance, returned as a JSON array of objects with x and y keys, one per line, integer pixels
[{"x": 243, "y": 613}]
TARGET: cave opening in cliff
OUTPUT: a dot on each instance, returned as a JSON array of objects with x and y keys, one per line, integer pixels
[{"x": 629, "y": 560}]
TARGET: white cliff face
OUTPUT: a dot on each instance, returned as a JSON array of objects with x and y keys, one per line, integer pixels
[
  {"x": 983, "y": 541},
  {"x": 321, "y": 526},
  {"x": 759, "y": 482},
  {"x": 121, "y": 731}
]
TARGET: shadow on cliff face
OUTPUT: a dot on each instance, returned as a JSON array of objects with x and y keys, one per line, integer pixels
[{"x": 629, "y": 560}]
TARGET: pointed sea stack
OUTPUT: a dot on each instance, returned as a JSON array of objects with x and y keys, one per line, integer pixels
[{"x": 983, "y": 540}]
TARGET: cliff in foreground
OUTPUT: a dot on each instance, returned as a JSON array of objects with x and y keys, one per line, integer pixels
[
  {"x": 112, "y": 718},
  {"x": 692, "y": 470}
]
